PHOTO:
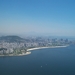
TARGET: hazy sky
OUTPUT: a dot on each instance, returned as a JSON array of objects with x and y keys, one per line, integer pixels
[{"x": 52, "y": 17}]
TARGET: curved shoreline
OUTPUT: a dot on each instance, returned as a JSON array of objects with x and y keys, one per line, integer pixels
[
  {"x": 29, "y": 50},
  {"x": 45, "y": 47}
]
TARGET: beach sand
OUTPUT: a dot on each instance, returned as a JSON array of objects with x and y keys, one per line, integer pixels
[{"x": 44, "y": 47}]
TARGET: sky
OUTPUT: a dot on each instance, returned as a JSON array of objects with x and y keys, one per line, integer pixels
[{"x": 40, "y": 17}]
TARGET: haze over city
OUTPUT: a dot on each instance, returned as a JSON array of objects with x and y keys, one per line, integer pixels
[{"x": 40, "y": 17}]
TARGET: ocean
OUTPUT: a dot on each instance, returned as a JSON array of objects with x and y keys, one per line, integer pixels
[{"x": 50, "y": 61}]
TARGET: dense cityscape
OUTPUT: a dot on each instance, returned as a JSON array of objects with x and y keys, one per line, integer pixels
[{"x": 14, "y": 45}]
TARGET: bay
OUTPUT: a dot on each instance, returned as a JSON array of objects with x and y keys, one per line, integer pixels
[{"x": 50, "y": 61}]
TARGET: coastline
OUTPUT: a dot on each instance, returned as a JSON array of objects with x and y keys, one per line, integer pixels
[
  {"x": 29, "y": 50},
  {"x": 45, "y": 47},
  {"x": 27, "y": 53}
]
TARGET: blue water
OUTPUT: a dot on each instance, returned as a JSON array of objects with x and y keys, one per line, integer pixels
[{"x": 57, "y": 61}]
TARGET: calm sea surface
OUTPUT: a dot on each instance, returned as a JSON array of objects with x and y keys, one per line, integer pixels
[{"x": 57, "y": 61}]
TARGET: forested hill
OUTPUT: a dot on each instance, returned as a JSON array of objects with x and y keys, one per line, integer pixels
[{"x": 11, "y": 39}]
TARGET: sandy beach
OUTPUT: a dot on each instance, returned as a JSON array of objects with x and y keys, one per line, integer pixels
[{"x": 45, "y": 47}]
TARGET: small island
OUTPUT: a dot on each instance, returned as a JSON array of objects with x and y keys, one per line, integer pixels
[{"x": 17, "y": 46}]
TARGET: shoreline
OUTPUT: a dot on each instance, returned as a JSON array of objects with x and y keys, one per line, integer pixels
[
  {"x": 29, "y": 50},
  {"x": 27, "y": 53},
  {"x": 45, "y": 47}
]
